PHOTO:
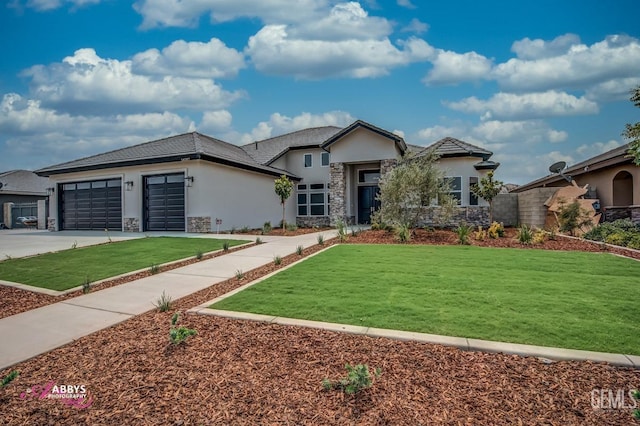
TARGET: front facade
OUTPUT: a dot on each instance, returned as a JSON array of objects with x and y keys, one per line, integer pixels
[{"x": 196, "y": 183}]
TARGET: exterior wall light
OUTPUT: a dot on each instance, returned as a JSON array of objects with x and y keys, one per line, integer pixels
[
  {"x": 129, "y": 185},
  {"x": 189, "y": 180}
]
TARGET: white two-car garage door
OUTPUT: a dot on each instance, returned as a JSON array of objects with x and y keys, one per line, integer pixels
[{"x": 91, "y": 205}]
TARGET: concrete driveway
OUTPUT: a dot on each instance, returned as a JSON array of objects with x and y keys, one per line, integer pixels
[{"x": 28, "y": 242}]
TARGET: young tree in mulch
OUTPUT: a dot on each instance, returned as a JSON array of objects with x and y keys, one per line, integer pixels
[
  {"x": 573, "y": 218},
  {"x": 283, "y": 188},
  {"x": 410, "y": 189},
  {"x": 487, "y": 189},
  {"x": 633, "y": 130}
]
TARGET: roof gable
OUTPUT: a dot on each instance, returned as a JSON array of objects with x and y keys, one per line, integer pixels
[
  {"x": 452, "y": 147},
  {"x": 398, "y": 140}
]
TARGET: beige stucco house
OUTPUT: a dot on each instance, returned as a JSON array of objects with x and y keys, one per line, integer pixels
[
  {"x": 612, "y": 178},
  {"x": 196, "y": 183}
]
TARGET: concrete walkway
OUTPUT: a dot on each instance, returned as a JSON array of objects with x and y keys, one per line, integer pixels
[{"x": 34, "y": 332}]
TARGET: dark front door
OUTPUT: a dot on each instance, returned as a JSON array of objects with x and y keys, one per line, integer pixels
[
  {"x": 367, "y": 203},
  {"x": 164, "y": 202}
]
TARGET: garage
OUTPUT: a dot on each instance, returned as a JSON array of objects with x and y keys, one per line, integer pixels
[
  {"x": 91, "y": 205},
  {"x": 164, "y": 202}
]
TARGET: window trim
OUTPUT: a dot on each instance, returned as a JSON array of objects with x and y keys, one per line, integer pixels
[
  {"x": 304, "y": 160},
  {"x": 322, "y": 155},
  {"x": 365, "y": 170},
  {"x": 456, "y": 191},
  {"x": 308, "y": 193}
]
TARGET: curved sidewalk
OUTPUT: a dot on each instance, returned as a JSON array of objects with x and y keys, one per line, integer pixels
[{"x": 40, "y": 330}]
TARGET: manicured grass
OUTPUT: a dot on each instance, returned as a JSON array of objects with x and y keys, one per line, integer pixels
[
  {"x": 69, "y": 268},
  {"x": 564, "y": 299}
]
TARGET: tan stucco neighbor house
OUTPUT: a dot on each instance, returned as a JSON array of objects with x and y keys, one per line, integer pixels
[
  {"x": 612, "y": 177},
  {"x": 196, "y": 183}
]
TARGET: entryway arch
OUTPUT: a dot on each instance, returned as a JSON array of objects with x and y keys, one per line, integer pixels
[{"x": 623, "y": 189}]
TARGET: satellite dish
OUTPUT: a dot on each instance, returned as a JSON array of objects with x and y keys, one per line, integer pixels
[{"x": 558, "y": 167}]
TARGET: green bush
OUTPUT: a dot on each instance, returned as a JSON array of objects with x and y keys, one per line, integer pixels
[
  {"x": 634, "y": 242},
  {"x": 403, "y": 233},
  {"x": 299, "y": 250},
  {"x": 266, "y": 228},
  {"x": 164, "y": 302},
  {"x": 604, "y": 230},
  {"x": 618, "y": 238},
  {"x": 178, "y": 335},
  {"x": 463, "y": 230},
  {"x": 292, "y": 227},
  {"x": 358, "y": 378},
  {"x": 524, "y": 235}
]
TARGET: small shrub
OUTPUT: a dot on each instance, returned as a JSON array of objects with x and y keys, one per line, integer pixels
[
  {"x": 299, "y": 250},
  {"x": 462, "y": 231},
  {"x": 539, "y": 236},
  {"x": 553, "y": 233},
  {"x": 634, "y": 242},
  {"x": 86, "y": 285},
  {"x": 524, "y": 235},
  {"x": 244, "y": 230},
  {"x": 321, "y": 239},
  {"x": 74, "y": 245},
  {"x": 292, "y": 227},
  {"x": 277, "y": 260},
  {"x": 239, "y": 274},
  {"x": 164, "y": 302},
  {"x": 233, "y": 230},
  {"x": 342, "y": 231},
  {"x": 355, "y": 232},
  {"x": 358, "y": 379},
  {"x": 225, "y": 246},
  {"x": 636, "y": 412},
  {"x": 480, "y": 234},
  {"x": 178, "y": 335},
  {"x": 108, "y": 235},
  {"x": 9, "y": 378},
  {"x": 199, "y": 255},
  {"x": 154, "y": 269},
  {"x": 266, "y": 228},
  {"x": 618, "y": 238},
  {"x": 496, "y": 230},
  {"x": 259, "y": 241},
  {"x": 403, "y": 233},
  {"x": 573, "y": 218}
]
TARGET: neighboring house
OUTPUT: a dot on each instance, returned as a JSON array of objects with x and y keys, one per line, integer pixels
[
  {"x": 196, "y": 183},
  {"x": 612, "y": 178},
  {"x": 20, "y": 191}
]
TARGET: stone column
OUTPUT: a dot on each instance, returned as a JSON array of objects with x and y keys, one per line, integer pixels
[
  {"x": 337, "y": 191},
  {"x": 386, "y": 166},
  {"x": 7, "y": 218},
  {"x": 42, "y": 214}
]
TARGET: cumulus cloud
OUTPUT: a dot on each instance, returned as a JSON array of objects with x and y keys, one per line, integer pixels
[
  {"x": 274, "y": 51},
  {"x": 613, "y": 90},
  {"x": 36, "y": 132},
  {"x": 406, "y": 3},
  {"x": 585, "y": 151},
  {"x": 452, "y": 68},
  {"x": 186, "y": 13},
  {"x": 212, "y": 59},
  {"x": 518, "y": 132},
  {"x": 215, "y": 121},
  {"x": 542, "y": 65},
  {"x": 529, "y": 105},
  {"x": 44, "y": 5},
  {"x": 86, "y": 82},
  {"x": 416, "y": 26}
]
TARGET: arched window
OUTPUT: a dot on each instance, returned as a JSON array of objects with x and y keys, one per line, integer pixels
[{"x": 623, "y": 189}]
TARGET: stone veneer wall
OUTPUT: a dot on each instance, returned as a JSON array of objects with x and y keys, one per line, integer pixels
[
  {"x": 471, "y": 215},
  {"x": 131, "y": 224},
  {"x": 311, "y": 221},
  {"x": 613, "y": 213},
  {"x": 51, "y": 224},
  {"x": 386, "y": 166},
  {"x": 199, "y": 224},
  {"x": 337, "y": 191}
]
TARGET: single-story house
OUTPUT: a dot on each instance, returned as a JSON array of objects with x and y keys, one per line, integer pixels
[
  {"x": 196, "y": 183},
  {"x": 612, "y": 177},
  {"x": 20, "y": 192}
]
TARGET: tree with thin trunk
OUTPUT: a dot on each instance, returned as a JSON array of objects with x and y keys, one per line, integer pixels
[
  {"x": 283, "y": 188},
  {"x": 487, "y": 189},
  {"x": 633, "y": 130}
]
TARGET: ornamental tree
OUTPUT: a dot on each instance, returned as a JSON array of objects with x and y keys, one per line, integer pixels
[
  {"x": 488, "y": 189},
  {"x": 283, "y": 188},
  {"x": 633, "y": 130}
]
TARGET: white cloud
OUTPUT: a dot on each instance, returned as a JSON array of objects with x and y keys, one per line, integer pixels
[
  {"x": 406, "y": 3},
  {"x": 190, "y": 59},
  {"x": 452, "y": 68},
  {"x": 613, "y": 90},
  {"x": 529, "y": 105},
  {"x": 435, "y": 133},
  {"x": 398, "y": 132},
  {"x": 186, "y": 13},
  {"x": 518, "y": 132},
  {"x": 44, "y": 5},
  {"x": 585, "y": 151},
  {"x": 279, "y": 124},
  {"x": 48, "y": 136},
  {"x": 274, "y": 51},
  {"x": 416, "y": 26},
  {"x": 85, "y": 83},
  {"x": 215, "y": 121},
  {"x": 541, "y": 67}
]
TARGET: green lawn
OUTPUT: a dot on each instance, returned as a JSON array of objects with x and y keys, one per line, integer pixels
[
  {"x": 69, "y": 268},
  {"x": 564, "y": 299}
]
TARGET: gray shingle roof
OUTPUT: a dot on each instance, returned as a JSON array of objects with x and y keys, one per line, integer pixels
[
  {"x": 452, "y": 147},
  {"x": 400, "y": 143},
  {"x": 268, "y": 150},
  {"x": 192, "y": 145}
]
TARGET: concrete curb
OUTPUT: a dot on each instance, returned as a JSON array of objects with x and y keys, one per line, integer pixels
[{"x": 49, "y": 292}]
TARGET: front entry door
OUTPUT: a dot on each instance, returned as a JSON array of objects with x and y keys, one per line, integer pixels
[{"x": 367, "y": 203}]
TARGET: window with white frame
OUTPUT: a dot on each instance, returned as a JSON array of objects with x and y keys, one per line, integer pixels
[
  {"x": 324, "y": 160},
  {"x": 455, "y": 187},
  {"x": 308, "y": 160},
  {"x": 313, "y": 199},
  {"x": 473, "y": 198}
]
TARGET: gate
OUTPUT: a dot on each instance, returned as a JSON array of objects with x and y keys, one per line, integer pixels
[{"x": 24, "y": 215}]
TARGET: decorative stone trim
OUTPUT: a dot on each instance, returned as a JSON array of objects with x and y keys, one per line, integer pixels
[
  {"x": 612, "y": 213},
  {"x": 51, "y": 224},
  {"x": 337, "y": 191},
  {"x": 386, "y": 166},
  {"x": 131, "y": 224},
  {"x": 472, "y": 215},
  {"x": 311, "y": 221},
  {"x": 200, "y": 224}
]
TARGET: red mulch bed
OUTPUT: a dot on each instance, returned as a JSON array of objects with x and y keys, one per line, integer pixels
[
  {"x": 279, "y": 232},
  {"x": 245, "y": 373}
]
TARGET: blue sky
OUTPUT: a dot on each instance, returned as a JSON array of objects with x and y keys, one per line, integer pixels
[{"x": 535, "y": 82}]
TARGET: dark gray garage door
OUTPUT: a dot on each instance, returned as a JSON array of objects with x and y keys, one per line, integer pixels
[
  {"x": 164, "y": 202},
  {"x": 94, "y": 205}
]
